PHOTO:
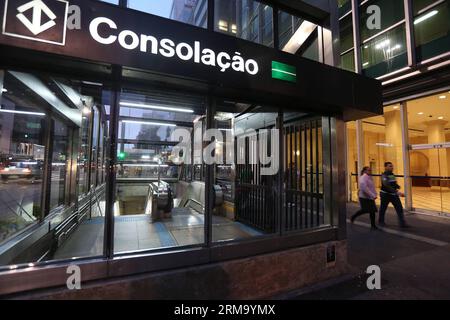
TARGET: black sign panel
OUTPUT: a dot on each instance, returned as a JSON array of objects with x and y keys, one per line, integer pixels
[
  {"x": 36, "y": 20},
  {"x": 101, "y": 32}
]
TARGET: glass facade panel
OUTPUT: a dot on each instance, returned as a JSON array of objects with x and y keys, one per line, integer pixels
[
  {"x": 298, "y": 36},
  {"x": 194, "y": 12},
  {"x": 385, "y": 53},
  {"x": 111, "y": 1},
  {"x": 158, "y": 203},
  {"x": 344, "y": 6},
  {"x": 22, "y": 155},
  {"x": 420, "y": 5},
  {"x": 60, "y": 157},
  {"x": 346, "y": 33},
  {"x": 392, "y": 11},
  {"x": 245, "y": 19},
  {"x": 432, "y": 32},
  {"x": 248, "y": 208},
  {"x": 348, "y": 61},
  {"x": 382, "y": 138},
  {"x": 46, "y": 132},
  {"x": 429, "y": 133}
]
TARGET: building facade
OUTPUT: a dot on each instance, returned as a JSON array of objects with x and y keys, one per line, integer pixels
[
  {"x": 410, "y": 54},
  {"x": 107, "y": 113}
]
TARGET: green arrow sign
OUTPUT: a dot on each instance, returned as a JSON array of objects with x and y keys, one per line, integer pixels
[{"x": 284, "y": 72}]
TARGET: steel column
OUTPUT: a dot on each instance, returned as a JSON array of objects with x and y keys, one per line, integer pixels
[{"x": 405, "y": 155}]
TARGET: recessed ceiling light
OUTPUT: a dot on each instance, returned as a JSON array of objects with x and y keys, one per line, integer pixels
[
  {"x": 396, "y": 107},
  {"x": 443, "y": 97},
  {"x": 150, "y": 123},
  {"x": 440, "y": 118},
  {"x": 147, "y": 106},
  {"x": 420, "y": 113},
  {"x": 23, "y": 112}
]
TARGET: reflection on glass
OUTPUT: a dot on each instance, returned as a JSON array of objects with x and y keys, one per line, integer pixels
[
  {"x": 159, "y": 203},
  {"x": 245, "y": 19},
  {"x": 385, "y": 53},
  {"x": 429, "y": 131},
  {"x": 383, "y": 143},
  {"x": 298, "y": 36},
  {"x": 245, "y": 198},
  {"x": 420, "y": 5},
  {"x": 346, "y": 33},
  {"x": 432, "y": 31},
  {"x": 348, "y": 61},
  {"x": 83, "y": 154},
  {"x": 59, "y": 164},
  {"x": 344, "y": 6},
  {"x": 194, "y": 12},
  {"x": 22, "y": 154},
  {"x": 27, "y": 133},
  {"x": 392, "y": 11}
]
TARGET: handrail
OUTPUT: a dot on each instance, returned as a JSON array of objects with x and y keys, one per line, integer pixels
[
  {"x": 20, "y": 207},
  {"x": 97, "y": 201}
]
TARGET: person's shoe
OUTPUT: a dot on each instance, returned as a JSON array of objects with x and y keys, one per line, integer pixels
[
  {"x": 405, "y": 226},
  {"x": 352, "y": 219},
  {"x": 382, "y": 224},
  {"x": 375, "y": 228}
]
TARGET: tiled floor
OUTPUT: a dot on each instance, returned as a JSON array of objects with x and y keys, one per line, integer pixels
[
  {"x": 134, "y": 233},
  {"x": 426, "y": 199}
]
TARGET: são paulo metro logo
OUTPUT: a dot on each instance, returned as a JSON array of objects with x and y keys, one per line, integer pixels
[{"x": 38, "y": 20}]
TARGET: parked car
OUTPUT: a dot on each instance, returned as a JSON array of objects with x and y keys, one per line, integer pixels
[{"x": 30, "y": 170}]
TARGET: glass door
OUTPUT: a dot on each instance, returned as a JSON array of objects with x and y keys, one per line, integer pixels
[{"x": 430, "y": 177}]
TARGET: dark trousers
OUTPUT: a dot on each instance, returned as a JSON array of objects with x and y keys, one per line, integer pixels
[
  {"x": 367, "y": 206},
  {"x": 387, "y": 198}
]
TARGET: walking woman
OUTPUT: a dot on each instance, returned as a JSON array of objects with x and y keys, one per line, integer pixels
[{"x": 367, "y": 195}]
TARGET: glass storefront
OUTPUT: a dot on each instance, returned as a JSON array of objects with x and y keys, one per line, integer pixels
[
  {"x": 52, "y": 152},
  {"x": 428, "y": 132},
  {"x": 55, "y": 148}
]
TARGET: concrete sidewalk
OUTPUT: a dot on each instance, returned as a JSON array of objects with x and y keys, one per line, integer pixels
[{"x": 414, "y": 262}]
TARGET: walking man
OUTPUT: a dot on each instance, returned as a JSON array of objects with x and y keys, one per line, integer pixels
[
  {"x": 367, "y": 195},
  {"x": 390, "y": 194}
]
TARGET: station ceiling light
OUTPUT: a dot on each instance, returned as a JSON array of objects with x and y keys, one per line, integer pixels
[
  {"x": 150, "y": 123},
  {"x": 40, "y": 114},
  {"x": 426, "y": 16},
  {"x": 443, "y": 97},
  {"x": 148, "y": 106}
]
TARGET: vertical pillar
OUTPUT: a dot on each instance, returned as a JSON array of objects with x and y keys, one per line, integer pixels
[
  {"x": 327, "y": 172},
  {"x": 211, "y": 13},
  {"x": 410, "y": 39},
  {"x": 2, "y": 75},
  {"x": 360, "y": 145},
  {"x": 108, "y": 244},
  {"x": 438, "y": 160},
  {"x": 356, "y": 36},
  {"x": 210, "y": 175},
  {"x": 394, "y": 140},
  {"x": 406, "y": 160},
  {"x": 339, "y": 204}
]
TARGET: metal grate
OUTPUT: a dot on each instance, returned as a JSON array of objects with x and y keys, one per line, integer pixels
[{"x": 303, "y": 176}]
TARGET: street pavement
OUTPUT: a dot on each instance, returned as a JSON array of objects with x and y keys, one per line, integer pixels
[{"x": 414, "y": 262}]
